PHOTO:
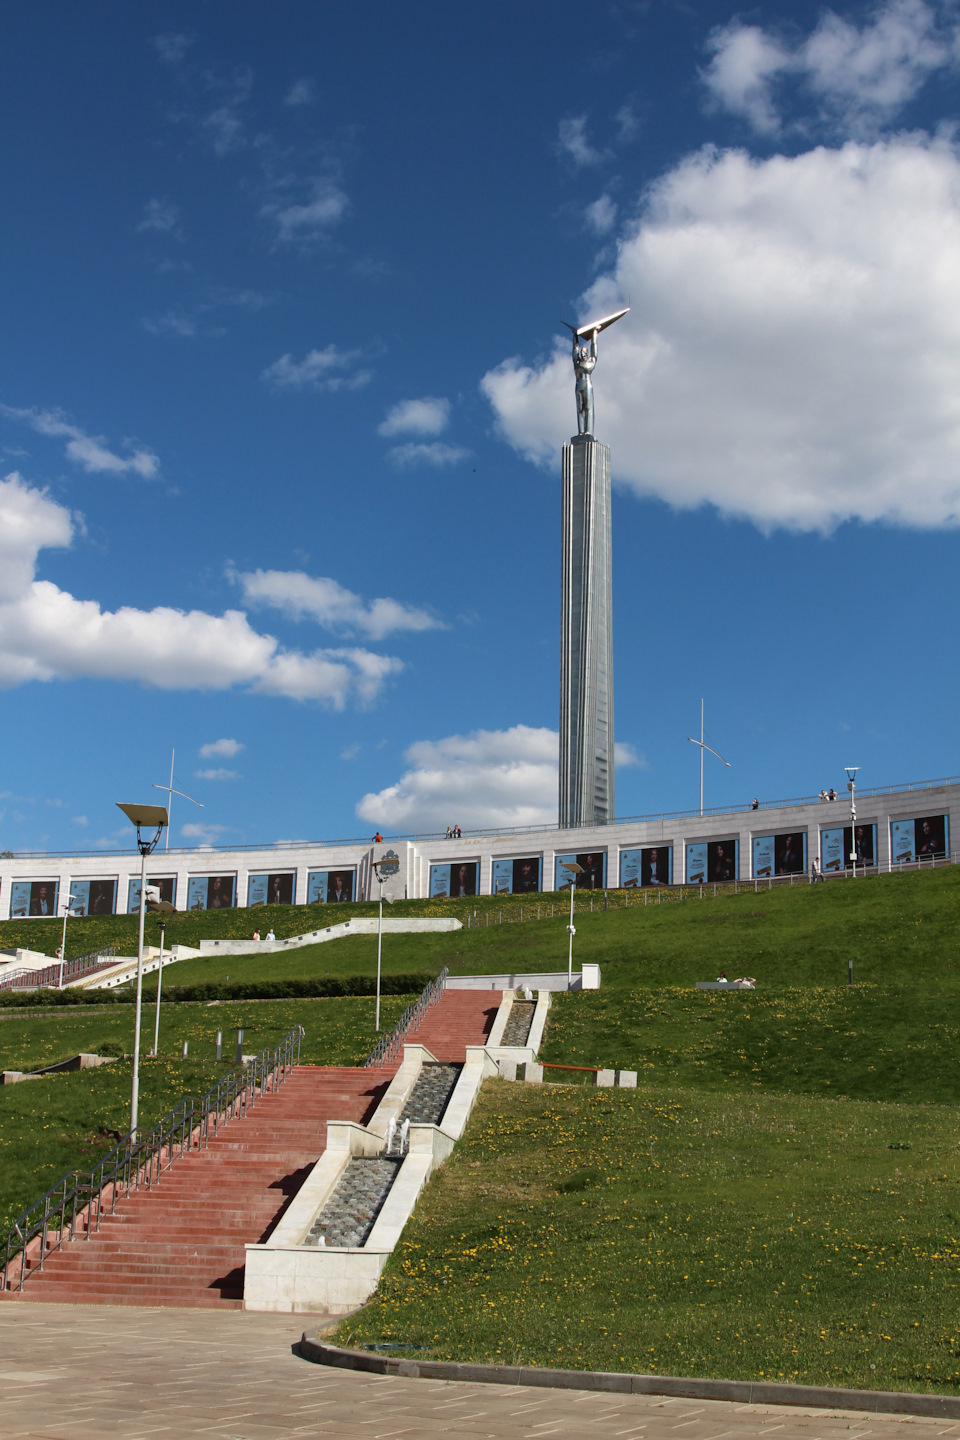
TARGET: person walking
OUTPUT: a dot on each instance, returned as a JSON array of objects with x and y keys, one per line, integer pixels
[{"x": 815, "y": 871}]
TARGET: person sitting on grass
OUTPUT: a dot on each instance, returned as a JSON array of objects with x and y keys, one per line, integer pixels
[
  {"x": 722, "y": 978},
  {"x": 256, "y": 934},
  {"x": 270, "y": 934},
  {"x": 747, "y": 982}
]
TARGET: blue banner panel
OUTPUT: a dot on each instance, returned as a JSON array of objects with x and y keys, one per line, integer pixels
[
  {"x": 650, "y": 865},
  {"x": 696, "y": 863},
  {"x": 97, "y": 897},
  {"x": 501, "y": 880},
  {"x": 763, "y": 856},
  {"x": 271, "y": 889},
  {"x": 516, "y": 877},
  {"x": 455, "y": 881},
  {"x": 713, "y": 861},
  {"x": 317, "y": 887},
  {"x": 33, "y": 897},
  {"x": 831, "y": 850},
  {"x": 439, "y": 882},
  {"x": 593, "y": 863},
  {"x": 166, "y": 884},
  {"x": 211, "y": 892}
]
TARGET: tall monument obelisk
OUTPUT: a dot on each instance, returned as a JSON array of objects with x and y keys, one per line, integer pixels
[{"x": 586, "y": 637}]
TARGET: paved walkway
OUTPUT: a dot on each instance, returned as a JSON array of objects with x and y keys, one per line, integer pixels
[{"x": 69, "y": 1372}]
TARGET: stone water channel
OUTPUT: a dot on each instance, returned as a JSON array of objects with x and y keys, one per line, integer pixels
[{"x": 349, "y": 1214}]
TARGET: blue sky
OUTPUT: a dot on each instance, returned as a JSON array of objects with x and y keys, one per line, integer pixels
[{"x": 281, "y": 404}]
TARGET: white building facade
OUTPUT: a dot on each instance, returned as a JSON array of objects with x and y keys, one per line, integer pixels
[{"x": 896, "y": 827}]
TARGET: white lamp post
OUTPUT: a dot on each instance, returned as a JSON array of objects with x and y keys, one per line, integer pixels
[
  {"x": 143, "y": 816},
  {"x": 156, "y": 1026},
  {"x": 385, "y": 868},
  {"x": 704, "y": 746},
  {"x": 63, "y": 943},
  {"x": 575, "y": 870},
  {"x": 852, "y": 787}
]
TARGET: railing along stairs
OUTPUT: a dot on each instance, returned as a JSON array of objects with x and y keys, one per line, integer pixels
[
  {"x": 388, "y": 1047},
  {"x": 23, "y": 978},
  {"x": 76, "y": 1204}
]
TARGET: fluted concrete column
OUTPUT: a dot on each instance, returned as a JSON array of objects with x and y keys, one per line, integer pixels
[{"x": 586, "y": 646}]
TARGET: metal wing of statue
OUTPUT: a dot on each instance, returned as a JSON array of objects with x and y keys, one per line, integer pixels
[{"x": 596, "y": 326}]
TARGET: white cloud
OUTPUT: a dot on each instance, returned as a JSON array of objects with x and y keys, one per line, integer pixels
[
  {"x": 80, "y": 820},
  {"x": 222, "y": 126},
  {"x": 175, "y": 324},
  {"x": 219, "y": 774},
  {"x": 573, "y": 142},
  {"x": 171, "y": 48},
  {"x": 225, "y": 747},
  {"x": 307, "y": 219},
  {"x": 46, "y": 633},
  {"x": 160, "y": 215},
  {"x": 317, "y": 371},
  {"x": 207, "y": 834},
  {"x": 330, "y": 604},
  {"x": 90, "y": 451},
  {"x": 625, "y": 755},
  {"x": 793, "y": 352},
  {"x": 428, "y": 416},
  {"x": 437, "y": 453},
  {"x": 860, "y": 77},
  {"x": 745, "y": 60},
  {"x": 301, "y": 92},
  {"x": 601, "y": 215},
  {"x": 484, "y": 780}
]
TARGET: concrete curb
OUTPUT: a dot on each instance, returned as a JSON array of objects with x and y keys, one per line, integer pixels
[{"x": 747, "y": 1392}]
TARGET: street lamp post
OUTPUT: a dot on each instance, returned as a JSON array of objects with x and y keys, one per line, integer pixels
[
  {"x": 704, "y": 746},
  {"x": 575, "y": 870},
  {"x": 156, "y": 1025},
  {"x": 385, "y": 868},
  {"x": 144, "y": 817},
  {"x": 852, "y": 787},
  {"x": 63, "y": 943}
]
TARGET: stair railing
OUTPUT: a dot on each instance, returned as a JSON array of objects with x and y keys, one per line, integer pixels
[
  {"x": 388, "y": 1046},
  {"x": 76, "y": 1204},
  {"x": 23, "y": 978}
]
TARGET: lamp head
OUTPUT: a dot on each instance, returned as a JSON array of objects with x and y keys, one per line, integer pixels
[
  {"x": 851, "y": 772},
  {"x": 146, "y": 817}
]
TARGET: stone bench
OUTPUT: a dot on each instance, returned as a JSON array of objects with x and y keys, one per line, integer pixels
[{"x": 722, "y": 985}]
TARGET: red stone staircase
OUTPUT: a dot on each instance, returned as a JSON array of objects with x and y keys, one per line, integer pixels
[
  {"x": 460, "y": 1018},
  {"x": 181, "y": 1243}
]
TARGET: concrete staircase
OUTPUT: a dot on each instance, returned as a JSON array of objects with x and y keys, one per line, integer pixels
[{"x": 182, "y": 1243}]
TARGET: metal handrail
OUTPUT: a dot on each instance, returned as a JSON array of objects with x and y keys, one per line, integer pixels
[
  {"x": 23, "y": 978},
  {"x": 388, "y": 1046},
  {"x": 505, "y": 830},
  {"x": 80, "y": 1199}
]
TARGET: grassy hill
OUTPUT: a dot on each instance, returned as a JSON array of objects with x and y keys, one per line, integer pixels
[{"x": 780, "y": 1197}]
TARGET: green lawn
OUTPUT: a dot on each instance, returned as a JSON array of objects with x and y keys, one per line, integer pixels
[
  {"x": 666, "y": 1230},
  {"x": 62, "y": 1122},
  {"x": 874, "y": 1042}
]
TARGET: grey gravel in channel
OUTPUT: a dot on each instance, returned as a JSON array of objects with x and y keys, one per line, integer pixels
[
  {"x": 430, "y": 1095},
  {"x": 517, "y": 1028},
  {"x": 348, "y": 1216}
]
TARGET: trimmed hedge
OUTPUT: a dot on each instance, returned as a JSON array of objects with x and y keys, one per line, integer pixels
[{"x": 318, "y": 987}]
